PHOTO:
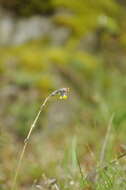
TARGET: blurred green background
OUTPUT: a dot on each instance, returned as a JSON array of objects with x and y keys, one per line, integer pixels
[{"x": 46, "y": 45}]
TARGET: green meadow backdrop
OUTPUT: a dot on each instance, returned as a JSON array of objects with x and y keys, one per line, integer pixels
[{"x": 46, "y": 45}]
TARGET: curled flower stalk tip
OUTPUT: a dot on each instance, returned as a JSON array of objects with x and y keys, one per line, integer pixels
[{"x": 62, "y": 92}]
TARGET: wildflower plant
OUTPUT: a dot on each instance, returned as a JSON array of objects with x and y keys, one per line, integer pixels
[{"x": 62, "y": 94}]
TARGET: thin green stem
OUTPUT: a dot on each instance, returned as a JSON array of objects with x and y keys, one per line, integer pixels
[{"x": 27, "y": 140}]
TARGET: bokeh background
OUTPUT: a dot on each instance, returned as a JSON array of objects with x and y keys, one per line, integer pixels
[{"x": 46, "y": 45}]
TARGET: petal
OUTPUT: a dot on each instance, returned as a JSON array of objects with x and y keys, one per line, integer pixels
[
  {"x": 64, "y": 97},
  {"x": 61, "y": 97}
]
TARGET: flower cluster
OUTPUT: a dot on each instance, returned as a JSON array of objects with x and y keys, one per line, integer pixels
[{"x": 62, "y": 92}]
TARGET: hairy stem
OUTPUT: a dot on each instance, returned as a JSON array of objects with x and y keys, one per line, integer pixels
[{"x": 27, "y": 140}]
